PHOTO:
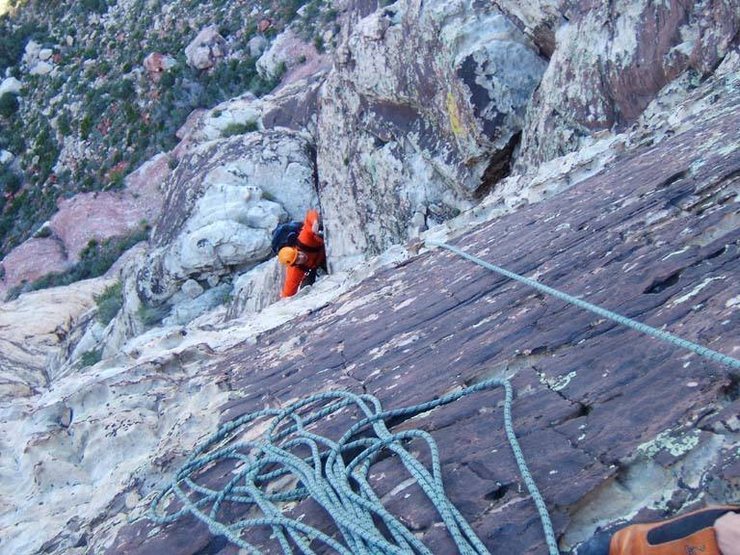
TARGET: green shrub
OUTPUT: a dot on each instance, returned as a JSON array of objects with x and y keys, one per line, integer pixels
[
  {"x": 10, "y": 183},
  {"x": 89, "y": 358},
  {"x": 8, "y": 104},
  {"x": 152, "y": 315},
  {"x": 239, "y": 128},
  {"x": 64, "y": 124},
  {"x": 109, "y": 302},
  {"x": 86, "y": 124}
]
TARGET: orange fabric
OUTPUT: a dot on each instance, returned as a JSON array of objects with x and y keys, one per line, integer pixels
[
  {"x": 633, "y": 541},
  {"x": 295, "y": 274}
]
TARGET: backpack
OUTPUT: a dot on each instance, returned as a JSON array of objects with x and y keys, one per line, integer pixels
[{"x": 285, "y": 235}]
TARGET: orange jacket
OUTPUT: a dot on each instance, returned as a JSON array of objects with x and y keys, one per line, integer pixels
[{"x": 312, "y": 246}]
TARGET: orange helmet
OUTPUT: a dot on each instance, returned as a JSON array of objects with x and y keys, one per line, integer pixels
[{"x": 288, "y": 255}]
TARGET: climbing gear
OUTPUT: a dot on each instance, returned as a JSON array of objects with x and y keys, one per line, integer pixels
[
  {"x": 288, "y": 255},
  {"x": 285, "y": 235},
  {"x": 290, "y": 461},
  {"x": 690, "y": 534},
  {"x": 644, "y": 328}
]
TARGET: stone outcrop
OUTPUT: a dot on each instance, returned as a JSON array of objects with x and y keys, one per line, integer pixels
[
  {"x": 35, "y": 329},
  {"x": 632, "y": 51},
  {"x": 206, "y": 49},
  {"x": 429, "y": 100},
  {"x": 623, "y": 191},
  {"x": 156, "y": 64},
  {"x": 632, "y": 427},
  {"x": 223, "y": 201}
]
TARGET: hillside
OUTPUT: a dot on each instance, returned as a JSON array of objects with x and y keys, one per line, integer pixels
[{"x": 593, "y": 149}]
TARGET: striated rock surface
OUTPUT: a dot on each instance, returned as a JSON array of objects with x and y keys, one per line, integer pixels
[
  {"x": 632, "y": 50},
  {"x": 34, "y": 330},
  {"x": 623, "y": 191}
]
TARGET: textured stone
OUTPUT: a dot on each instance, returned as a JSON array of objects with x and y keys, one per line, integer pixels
[
  {"x": 625, "y": 54},
  {"x": 31, "y": 260},
  {"x": 10, "y": 85},
  {"x": 223, "y": 201},
  {"x": 192, "y": 288},
  {"x": 156, "y": 63},
  {"x": 428, "y": 100},
  {"x": 622, "y": 433},
  {"x": 206, "y": 49}
]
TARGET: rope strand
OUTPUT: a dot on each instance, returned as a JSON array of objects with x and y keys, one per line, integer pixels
[{"x": 639, "y": 326}]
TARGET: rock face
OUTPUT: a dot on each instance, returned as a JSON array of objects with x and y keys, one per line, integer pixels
[
  {"x": 429, "y": 99},
  {"x": 86, "y": 217},
  {"x": 592, "y": 148},
  {"x": 634, "y": 50},
  {"x": 35, "y": 329},
  {"x": 223, "y": 201},
  {"x": 632, "y": 427}
]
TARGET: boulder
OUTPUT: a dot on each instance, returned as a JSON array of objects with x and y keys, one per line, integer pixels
[
  {"x": 6, "y": 156},
  {"x": 257, "y": 45},
  {"x": 10, "y": 85},
  {"x": 192, "y": 289},
  {"x": 41, "y": 68},
  {"x": 155, "y": 64},
  {"x": 206, "y": 49}
]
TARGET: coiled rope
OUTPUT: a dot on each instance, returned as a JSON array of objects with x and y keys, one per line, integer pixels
[
  {"x": 639, "y": 326},
  {"x": 292, "y": 461}
]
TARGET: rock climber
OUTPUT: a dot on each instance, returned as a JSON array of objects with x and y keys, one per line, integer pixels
[{"x": 305, "y": 257}]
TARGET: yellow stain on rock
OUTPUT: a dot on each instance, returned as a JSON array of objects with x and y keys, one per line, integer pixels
[{"x": 454, "y": 114}]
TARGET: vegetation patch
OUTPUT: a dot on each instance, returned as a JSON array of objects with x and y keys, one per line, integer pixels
[
  {"x": 96, "y": 259},
  {"x": 109, "y": 302}
]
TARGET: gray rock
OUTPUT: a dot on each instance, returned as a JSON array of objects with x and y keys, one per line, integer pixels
[
  {"x": 192, "y": 288},
  {"x": 206, "y": 48},
  {"x": 257, "y": 45}
]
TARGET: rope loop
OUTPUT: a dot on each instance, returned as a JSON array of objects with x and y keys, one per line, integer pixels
[{"x": 254, "y": 470}]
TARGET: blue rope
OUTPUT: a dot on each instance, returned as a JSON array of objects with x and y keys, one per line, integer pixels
[
  {"x": 644, "y": 328},
  {"x": 335, "y": 474}
]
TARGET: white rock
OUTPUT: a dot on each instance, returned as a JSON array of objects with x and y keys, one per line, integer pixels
[
  {"x": 186, "y": 311},
  {"x": 10, "y": 85},
  {"x": 221, "y": 244},
  {"x": 257, "y": 45},
  {"x": 41, "y": 68},
  {"x": 5, "y": 156},
  {"x": 256, "y": 289},
  {"x": 31, "y": 52},
  {"x": 45, "y": 54}
]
